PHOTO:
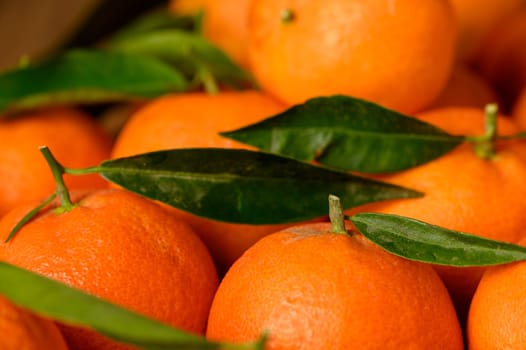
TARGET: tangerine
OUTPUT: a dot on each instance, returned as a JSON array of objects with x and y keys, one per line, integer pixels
[
  {"x": 467, "y": 88},
  {"x": 502, "y": 59},
  {"x": 310, "y": 288},
  {"x": 398, "y": 54},
  {"x": 123, "y": 248},
  {"x": 465, "y": 192},
  {"x": 25, "y": 330},
  {"x": 225, "y": 24},
  {"x": 476, "y": 19},
  {"x": 76, "y": 139},
  {"x": 497, "y": 314},
  {"x": 195, "y": 120}
]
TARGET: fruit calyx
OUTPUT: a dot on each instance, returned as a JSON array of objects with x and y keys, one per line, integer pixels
[{"x": 287, "y": 15}]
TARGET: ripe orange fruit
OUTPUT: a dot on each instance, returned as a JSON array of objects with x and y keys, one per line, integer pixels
[
  {"x": 502, "y": 59},
  {"x": 22, "y": 329},
  {"x": 396, "y": 53},
  {"x": 123, "y": 248},
  {"x": 313, "y": 289},
  {"x": 466, "y": 88},
  {"x": 497, "y": 314},
  {"x": 519, "y": 110},
  {"x": 465, "y": 192},
  {"x": 476, "y": 19},
  {"x": 225, "y": 24},
  {"x": 186, "y": 7},
  {"x": 195, "y": 120},
  {"x": 75, "y": 138}
]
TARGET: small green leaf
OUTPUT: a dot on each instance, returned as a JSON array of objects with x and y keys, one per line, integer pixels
[
  {"x": 85, "y": 76},
  {"x": 155, "y": 20},
  {"x": 189, "y": 52},
  {"x": 243, "y": 186},
  {"x": 71, "y": 306},
  {"x": 348, "y": 133},
  {"x": 417, "y": 240}
]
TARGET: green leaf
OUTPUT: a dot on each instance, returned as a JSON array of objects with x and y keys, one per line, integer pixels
[
  {"x": 348, "y": 133},
  {"x": 59, "y": 302},
  {"x": 243, "y": 186},
  {"x": 85, "y": 76},
  {"x": 417, "y": 240},
  {"x": 189, "y": 52},
  {"x": 155, "y": 20}
]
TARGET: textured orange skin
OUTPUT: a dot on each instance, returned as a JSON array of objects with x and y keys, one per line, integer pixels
[
  {"x": 502, "y": 59},
  {"x": 194, "y": 120},
  {"x": 122, "y": 248},
  {"x": 310, "y": 289},
  {"x": 466, "y": 88},
  {"x": 466, "y": 193},
  {"x": 75, "y": 140},
  {"x": 225, "y": 24},
  {"x": 497, "y": 316},
  {"x": 23, "y": 330},
  {"x": 395, "y": 53},
  {"x": 476, "y": 19}
]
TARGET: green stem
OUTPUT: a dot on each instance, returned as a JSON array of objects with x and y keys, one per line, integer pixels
[
  {"x": 29, "y": 216},
  {"x": 336, "y": 215},
  {"x": 58, "y": 171},
  {"x": 484, "y": 145},
  {"x": 208, "y": 80},
  {"x": 82, "y": 171}
]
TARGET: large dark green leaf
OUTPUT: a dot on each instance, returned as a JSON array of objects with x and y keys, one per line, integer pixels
[
  {"x": 187, "y": 51},
  {"x": 62, "y": 303},
  {"x": 348, "y": 133},
  {"x": 242, "y": 186},
  {"x": 83, "y": 76},
  {"x": 417, "y": 240}
]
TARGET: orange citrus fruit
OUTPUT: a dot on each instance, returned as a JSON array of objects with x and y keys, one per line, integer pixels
[
  {"x": 502, "y": 59},
  {"x": 465, "y": 192},
  {"x": 225, "y": 24},
  {"x": 24, "y": 330},
  {"x": 195, "y": 120},
  {"x": 309, "y": 288},
  {"x": 75, "y": 138},
  {"x": 519, "y": 110},
  {"x": 396, "y": 53},
  {"x": 476, "y": 19},
  {"x": 467, "y": 88},
  {"x": 497, "y": 314},
  {"x": 186, "y": 7},
  {"x": 123, "y": 248}
]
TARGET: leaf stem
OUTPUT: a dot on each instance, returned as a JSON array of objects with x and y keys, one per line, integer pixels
[
  {"x": 207, "y": 79},
  {"x": 29, "y": 216},
  {"x": 484, "y": 145},
  {"x": 58, "y": 171},
  {"x": 82, "y": 171},
  {"x": 336, "y": 215}
]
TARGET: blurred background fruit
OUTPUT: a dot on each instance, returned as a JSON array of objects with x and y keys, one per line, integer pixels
[
  {"x": 72, "y": 135},
  {"x": 378, "y": 50},
  {"x": 21, "y": 329}
]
